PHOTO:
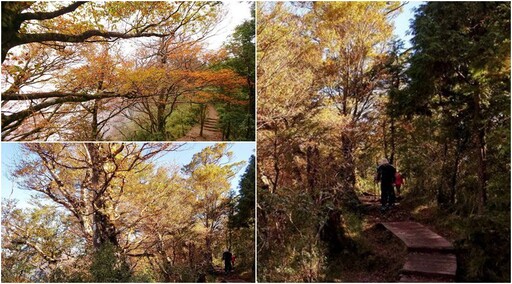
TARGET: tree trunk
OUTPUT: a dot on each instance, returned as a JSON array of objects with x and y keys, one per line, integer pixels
[
  {"x": 348, "y": 170},
  {"x": 228, "y": 131},
  {"x": 482, "y": 169},
  {"x": 11, "y": 24},
  {"x": 202, "y": 118},
  {"x": 208, "y": 255},
  {"x": 482, "y": 153},
  {"x": 251, "y": 108},
  {"x": 160, "y": 115},
  {"x": 94, "y": 122},
  {"x": 165, "y": 263},
  {"x": 277, "y": 169},
  {"x": 455, "y": 172},
  {"x": 103, "y": 230},
  {"x": 385, "y": 138},
  {"x": 312, "y": 157},
  {"x": 392, "y": 141},
  {"x": 442, "y": 198}
]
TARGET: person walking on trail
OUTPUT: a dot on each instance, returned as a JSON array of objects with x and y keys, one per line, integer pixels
[
  {"x": 226, "y": 256},
  {"x": 386, "y": 176},
  {"x": 233, "y": 261},
  {"x": 399, "y": 181}
]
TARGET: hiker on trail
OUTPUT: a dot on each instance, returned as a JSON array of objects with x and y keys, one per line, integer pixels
[
  {"x": 399, "y": 180},
  {"x": 386, "y": 176},
  {"x": 233, "y": 262},
  {"x": 226, "y": 256}
]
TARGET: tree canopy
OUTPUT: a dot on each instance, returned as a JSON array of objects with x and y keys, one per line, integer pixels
[
  {"x": 67, "y": 68},
  {"x": 113, "y": 213},
  {"x": 337, "y": 92}
]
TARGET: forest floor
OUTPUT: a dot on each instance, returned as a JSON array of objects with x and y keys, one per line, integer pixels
[
  {"x": 235, "y": 276},
  {"x": 210, "y": 130},
  {"x": 379, "y": 254}
]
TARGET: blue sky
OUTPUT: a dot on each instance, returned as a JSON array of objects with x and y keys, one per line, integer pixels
[
  {"x": 11, "y": 153},
  {"x": 402, "y": 21}
]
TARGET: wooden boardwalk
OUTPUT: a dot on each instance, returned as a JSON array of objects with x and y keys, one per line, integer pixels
[{"x": 431, "y": 258}]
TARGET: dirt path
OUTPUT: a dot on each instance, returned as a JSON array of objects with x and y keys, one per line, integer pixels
[
  {"x": 211, "y": 132},
  {"x": 379, "y": 256}
]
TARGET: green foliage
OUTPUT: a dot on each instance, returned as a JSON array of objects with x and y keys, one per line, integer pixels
[
  {"x": 454, "y": 111},
  {"x": 181, "y": 120},
  {"x": 242, "y": 248},
  {"x": 177, "y": 125},
  {"x": 485, "y": 246},
  {"x": 108, "y": 266},
  {"x": 481, "y": 241},
  {"x": 289, "y": 247},
  {"x": 455, "y": 117},
  {"x": 244, "y": 211},
  {"x": 235, "y": 122}
]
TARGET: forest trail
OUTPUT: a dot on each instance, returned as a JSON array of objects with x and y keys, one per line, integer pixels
[
  {"x": 233, "y": 277},
  {"x": 429, "y": 256},
  {"x": 210, "y": 130}
]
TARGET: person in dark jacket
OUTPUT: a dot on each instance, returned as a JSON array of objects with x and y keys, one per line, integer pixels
[
  {"x": 226, "y": 256},
  {"x": 386, "y": 176}
]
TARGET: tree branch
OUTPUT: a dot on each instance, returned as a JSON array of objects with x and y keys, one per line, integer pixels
[
  {"x": 59, "y": 98},
  {"x": 43, "y": 37},
  {"x": 51, "y": 15}
]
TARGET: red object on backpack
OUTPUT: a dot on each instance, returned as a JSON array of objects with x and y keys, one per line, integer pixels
[{"x": 398, "y": 179}]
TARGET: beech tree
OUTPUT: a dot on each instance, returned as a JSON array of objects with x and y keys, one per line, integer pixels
[
  {"x": 86, "y": 179},
  {"x": 61, "y": 26},
  {"x": 172, "y": 79},
  {"x": 210, "y": 172},
  {"x": 114, "y": 212}
]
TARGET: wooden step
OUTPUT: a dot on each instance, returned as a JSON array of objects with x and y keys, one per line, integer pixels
[
  {"x": 431, "y": 264},
  {"x": 419, "y": 238},
  {"x": 430, "y": 258}
]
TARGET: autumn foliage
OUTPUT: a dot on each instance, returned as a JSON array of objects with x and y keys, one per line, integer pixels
[
  {"x": 117, "y": 212},
  {"x": 106, "y": 71}
]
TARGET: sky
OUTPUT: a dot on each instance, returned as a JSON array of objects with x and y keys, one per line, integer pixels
[
  {"x": 11, "y": 153},
  {"x": 402, "y": 22},
  {"x": 237, "y": 13}
]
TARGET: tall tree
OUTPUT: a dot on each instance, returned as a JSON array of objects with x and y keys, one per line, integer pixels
[
  {"x": 87, "y": 180},
  {"x": 242, "y": 48},
  {"x": 210, "y": 173},
  {"x": 354, "y": 37},
  {"x": 467, "y": 81},
  {"x": 244, "y": 210},
  {"x": 36, "y": 239}
]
